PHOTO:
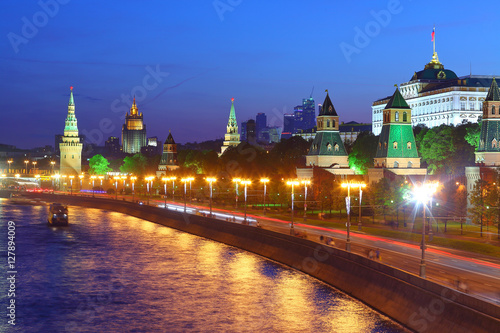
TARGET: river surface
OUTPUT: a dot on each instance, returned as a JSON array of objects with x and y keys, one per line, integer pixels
[{"x": 110, "y": 272}]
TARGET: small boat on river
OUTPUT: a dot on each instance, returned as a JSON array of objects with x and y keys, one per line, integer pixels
[{"x": 58, "y": 214}]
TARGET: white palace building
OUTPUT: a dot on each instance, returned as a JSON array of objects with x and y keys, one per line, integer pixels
[{"x": 437, "y": 96}]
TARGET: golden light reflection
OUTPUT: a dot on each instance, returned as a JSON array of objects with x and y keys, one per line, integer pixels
[
  {"x": 293, "y": 302},
  {"x": 210, "y": 258},
  {"x": 349, "y": 315}
]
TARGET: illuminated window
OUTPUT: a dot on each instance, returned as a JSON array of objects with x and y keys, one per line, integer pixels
[
  {"x": 410, "y": 164},
  {"x": 396, "y": 116},
  {"x": 336, "y": 147},
  {"x": 329, "y": 146},
  {"x": 494, "y": 143},
  {"x": 408, "y": 145},
  {"x": 395, "y": 145},
  {"x": 396, "y": 164}
]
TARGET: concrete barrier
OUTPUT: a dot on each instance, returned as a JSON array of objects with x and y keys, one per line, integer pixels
[{"x": 417, "y": 303}]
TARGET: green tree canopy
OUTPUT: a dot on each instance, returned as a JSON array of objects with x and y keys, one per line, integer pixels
[
  {"x": 363, "y": 152},
  {"x": 98, "y": 165},
  {"x": 135, "y": 164}
]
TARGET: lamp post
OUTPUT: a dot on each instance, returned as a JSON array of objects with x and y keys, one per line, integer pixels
[
  {"x": 37, "y": 177},
  {"x": 53, "y": 182},
  {"x": 34, "y": 166},
  {"x": 184, "y": 180},
  {"x": 422, "y": 194},
  {"x": 10, "y": 162},
  {"x": 81, "y": 181},
  {"x": 71, "y": 182},
  {"x": 305, "y": 183},
  {"x": 150, "y": 187},
  {"x": 101, "y": 178},
  {"x": 190, "y": 179},
  {"x": 348, "y": 208},
  {"x": 246, "y": 183},
  {"x": 116, "y": 186},
  {"x": 264, "y": 181},
  {"x": 132, "y": 180},
  {"x": 64, "y": 181},
  {"x": 26, "y": 162},
  {"x": 17, "y": 177},
  {"x": 93, "y": 180},
  {"x": 236, "y": 181},
  {"x": 211, "y": 180},
  {"x": 292, "y": 183},
  {"x": 173, "y": 187},
  {"x": 165, "y": 179},
  {"x": 52, "y": 164}
]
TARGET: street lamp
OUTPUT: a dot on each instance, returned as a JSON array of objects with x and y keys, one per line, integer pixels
[
  {"x": 305, "y": 183},
  {"x": 190, "y": 179},
  {"x": 116, "y": 186},
  {"x": 264, "y": 181},
  {"x": 81, "y": 181},
  {"x": 34, "y": 166},
  {"x": 185, "y": 180},
  {"x": 101, "y": 178},
  {"x": 10, "y": 162},
  {"x": 93, "y": 180},
  {"x": 132, "y": 179},
  {"x": 422, "y": 194},
  {"x": 64, "y": 180},
  {"x": 71, "y": 182},
  {"x": 150, "y": 179},
  {"x": 17, "y": 177},
  {"x": 165, "y": 179},
  {"x": 348, "y": 208},
  {"x": 236, "y": 181},
  {"x": 292, "y": 183},
  {"x": 26, "y": 162},
  {"x": 52, "y": 164},
  {"x": 211, "y": 180},
  {"x": 246, "y": 183},
  {"x": 53, "y": 182},
  {"x": 173, "y": 187}
]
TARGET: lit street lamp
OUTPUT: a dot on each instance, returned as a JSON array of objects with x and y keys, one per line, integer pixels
[
  {"x": 264, "y": 181},
  {"x": 53, "y": 182},
  {"x": 116, "y": 186},
  {"x": 52, "y": 164},
  {"x": 305, "y": 183},
  {"x": 211, "y": 180},
  {"x": 34, "y": 166},
  {"x": 348, "y": 208},
  {"x": 101, "y": 178},
  {"x": 185, "y": 180},
  {"x": 236, "y": 181},
  {"x": 292, "y": 183},
  {"x": 165, "y": 179},
  {"x": 71, "y": 181},
  {"x": 246, "y": 183},
  {"x": 173, "y": 187},
  {"x": 93, "y": 180},
  {"x": 422, "y": 194},
  {"x": 10, "y": 162},
  {"x": 149, "y": 188},
  {"x": 26, "y": 162},
  {"x": 81, "y": 181},
  {"x": 132, "y": 179}
]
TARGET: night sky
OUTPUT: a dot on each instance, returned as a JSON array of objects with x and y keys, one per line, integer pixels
[{"x": 268, "y": 55}]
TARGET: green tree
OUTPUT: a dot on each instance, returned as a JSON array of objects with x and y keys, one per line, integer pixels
[
  {"x": 363, "y": 152},
  {"x": 135, "y": 164},
  {"x": 98, "y": 165},
  {"x": 473, "y": 132}
]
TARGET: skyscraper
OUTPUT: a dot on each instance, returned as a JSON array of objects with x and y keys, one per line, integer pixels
[
  {"x": 231, "y": 138},
  {"x": 298, "y": 119},
  {"x": 133, "y": 131},
  {"x": 260, "y": 125},
  {"x": 70, "y": 148},
  {"x": 243, "y": 131},
  {"x": 308, "y": 114}
]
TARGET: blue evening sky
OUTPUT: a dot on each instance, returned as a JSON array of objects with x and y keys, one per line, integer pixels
[{"x": 268, "y": 55}]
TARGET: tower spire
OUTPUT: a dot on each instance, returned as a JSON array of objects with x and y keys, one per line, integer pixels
[{"x": 71, "y": 100}]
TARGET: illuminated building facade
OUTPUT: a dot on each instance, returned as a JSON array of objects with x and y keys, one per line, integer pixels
[
  {"x": 70, "y": 149},
  {"x": 231, "y": 138},
  {"x": 133, "y": 131}
]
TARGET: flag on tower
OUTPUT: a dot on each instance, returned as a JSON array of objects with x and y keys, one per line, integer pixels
[{"x": 433, "y": 32}]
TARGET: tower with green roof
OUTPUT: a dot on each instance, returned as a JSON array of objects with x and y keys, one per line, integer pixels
[
  {"x": 232, "y": 137},
  {"x": 327, "y": 149},
  {"x": 168, "y": 161},
  {"x": 396, "y": 146},
  {"x": 70, "y": 147},
  {"x": 488, "y": 152}
]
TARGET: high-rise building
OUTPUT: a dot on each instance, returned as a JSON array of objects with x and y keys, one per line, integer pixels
[
  {"x": 231, "y": 138},
  {"x": 70, "y": 148},
  {"x": 298, "y": 119},
  {"x": 168, "y": 160},
  {"x": 308, "y": 114},
  {"x": 153, "y": 147},
  {"x": 251, "y": 135},
  {"x": 288, "y": 125},
  {"x": 133, "y": 131},
  {"x": 112, "y": 145},
  {"x": 260, "y": 125},
  {"x": 243, "y": 127},
  {"x": 274, "y": 134},
  {"x": 327, "y": 149}
]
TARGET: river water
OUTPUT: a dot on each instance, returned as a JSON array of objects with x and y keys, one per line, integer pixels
[{"x": 110, "y": 272}]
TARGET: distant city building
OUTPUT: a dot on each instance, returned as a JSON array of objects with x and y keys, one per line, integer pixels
[
  {"x": 231, "y": 138},
  {"x": 133, "y": 131},
  {"x": 437, "y": 96},
  {"x": 327, "y": 149},
  {"x": 298, "y": 119},
  {"x": 153, "y": 147},
  {"x": 251, "y": 135},
  {"x": 274, "y": 134},
  {"x": 288, "y": 125},
  {"x": 112, "y": 145},
  {"x": 70, "y": 148},
  {"x": 308, "y": 113},
  {"x": 168, "y": 160},
  {"x": 349, "y": 131},
  {"x": 261, "y": 126},
  {"x": 243, "y": 131}
]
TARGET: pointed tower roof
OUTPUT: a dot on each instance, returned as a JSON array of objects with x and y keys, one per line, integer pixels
[
  {"x": 133, "y": 110},
  {"x": 327, "y": 109},
  {"x": 231, "y": 123},
  {"x": 397, "y": 101},
  {"x": 494, "y": 92},
  {"x": 71, "y": 101},
  {"x": 170, "y": 139}
]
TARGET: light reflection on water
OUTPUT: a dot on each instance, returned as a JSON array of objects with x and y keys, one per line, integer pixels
[{"x": 110, "y": 272}]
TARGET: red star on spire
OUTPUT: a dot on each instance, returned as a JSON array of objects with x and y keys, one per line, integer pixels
[
  {"x": 232, "y": 99},
  {"x": 71, "y": 87}
]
